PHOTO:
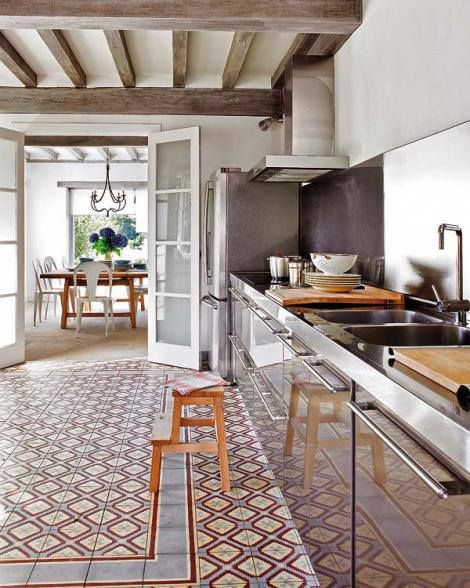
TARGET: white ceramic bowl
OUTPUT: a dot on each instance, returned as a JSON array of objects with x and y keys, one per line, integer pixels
[{"x": 333, "y": 263}]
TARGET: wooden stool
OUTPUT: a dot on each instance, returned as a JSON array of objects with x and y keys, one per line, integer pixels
[
  {"x": 307, "y": 428},
  {"x": 166, "y": 432}
]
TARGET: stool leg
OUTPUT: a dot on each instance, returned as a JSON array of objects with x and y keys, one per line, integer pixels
[
  {"x": 221, "y": 443},
  {"x": 293, "y": 407},
  {"x": 378, "y": 459},
  {"x": 176, "y": 422},
  {"x": 155, "y": 468},
  {"x": 311, "y": 440}
]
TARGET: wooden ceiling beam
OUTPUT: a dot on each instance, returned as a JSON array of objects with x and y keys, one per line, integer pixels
[
  {"x": 328, "y": 45},
  {"x": 132, "y": 152},
  {"x": 50, "y": 153},
  {"x": 103, "y": 152},
  {"x": 301, "y": 45},
  {"x": 308, "y": 44},
  {"x": 76, "y": 153},
  {"x": 180, "y": 58},
  {"x": 236, "y": 58},
  {"x": 300, "y": 16},
  {"x": 60, "y": 49},
  {"x": 122, "y": 60},
  {"x": 83, "y": 141},
  {"x": 10, "y": 57},
  {"x": 141, "y": 101}
]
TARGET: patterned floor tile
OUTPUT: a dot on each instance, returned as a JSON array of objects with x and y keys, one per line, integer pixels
[{"x": 74, "y": 471}]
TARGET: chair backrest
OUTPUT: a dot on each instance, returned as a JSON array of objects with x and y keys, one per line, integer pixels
[
  {"x": 49, "y": 264},
  {"x": 37, "y": 267},
  {"x": 92, "y": 271}
]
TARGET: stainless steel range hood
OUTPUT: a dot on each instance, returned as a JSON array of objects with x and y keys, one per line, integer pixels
[
  {"x": 309, "y": 150},
  {"x": 295, "y": 168}
]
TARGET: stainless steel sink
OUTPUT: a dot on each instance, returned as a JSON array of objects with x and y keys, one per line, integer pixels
[
  {"x": 412, "y": 335},
  {"x": 375, "y": 317}
]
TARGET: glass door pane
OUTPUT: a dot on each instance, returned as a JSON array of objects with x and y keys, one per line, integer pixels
[
  {"x": 174, "y": 247},
  {"x": 12, "y": 346}
]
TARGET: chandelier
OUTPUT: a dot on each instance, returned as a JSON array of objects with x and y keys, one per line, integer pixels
[{"x": 119, "y": 201}]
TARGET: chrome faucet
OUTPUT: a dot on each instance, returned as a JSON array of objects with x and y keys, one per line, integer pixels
[{"x": 460, "y": 306}]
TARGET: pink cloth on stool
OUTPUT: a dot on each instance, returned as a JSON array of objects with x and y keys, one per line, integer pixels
[{"x": 198, "y": 381}]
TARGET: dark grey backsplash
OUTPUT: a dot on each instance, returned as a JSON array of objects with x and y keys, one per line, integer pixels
[{"x": 344, "y": 213}]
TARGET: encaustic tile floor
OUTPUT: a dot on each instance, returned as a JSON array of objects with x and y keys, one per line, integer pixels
[{"x": 74, "y": 503}]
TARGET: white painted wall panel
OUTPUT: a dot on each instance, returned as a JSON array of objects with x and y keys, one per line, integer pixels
[{"x": 404, "y": 74}]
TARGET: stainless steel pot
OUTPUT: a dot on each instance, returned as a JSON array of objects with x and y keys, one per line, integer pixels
[{"x": 279, "y": 268}]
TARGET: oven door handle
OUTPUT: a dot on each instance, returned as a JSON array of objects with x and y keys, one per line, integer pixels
[{"x": 436, "y": 486}]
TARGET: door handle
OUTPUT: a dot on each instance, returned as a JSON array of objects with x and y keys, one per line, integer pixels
[
  {"x": 285, "y": 340},
  {"x": 442, "y": 489},
  {"x": 207, "y": 240},
  {"x": 208, "y": 301}
]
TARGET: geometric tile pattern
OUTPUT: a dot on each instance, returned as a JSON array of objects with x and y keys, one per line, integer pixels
[{"x": 74, "y": 503}]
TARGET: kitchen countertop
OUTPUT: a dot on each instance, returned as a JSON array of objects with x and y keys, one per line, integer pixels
[{"x": 429, "y": 412}]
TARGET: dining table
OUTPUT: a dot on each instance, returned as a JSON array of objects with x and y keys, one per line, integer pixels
[{"x": 125, "y": 278}]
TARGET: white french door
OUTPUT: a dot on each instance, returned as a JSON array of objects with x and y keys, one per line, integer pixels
[
  {"x": 173, "y": 242},
  {"x": 12, "y": 340}
]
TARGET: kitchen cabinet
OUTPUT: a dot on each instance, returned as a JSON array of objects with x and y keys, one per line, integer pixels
[
  {"x": 411, "y": 524},
  {"x": 290, "y": 392}
]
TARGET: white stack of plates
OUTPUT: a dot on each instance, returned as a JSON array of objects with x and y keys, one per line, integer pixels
[{"x": 332, "y": 283}]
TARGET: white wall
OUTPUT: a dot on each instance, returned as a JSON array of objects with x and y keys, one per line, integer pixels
[
  {"x": 404, "y": 74},
  {"x": 425, "y": 184},
  {"x": 225, "y": 141}
]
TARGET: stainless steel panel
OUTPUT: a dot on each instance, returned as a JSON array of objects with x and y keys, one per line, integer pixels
[
  {"x": 412, "y": 335},
  {"x": 376, "y": 317}
]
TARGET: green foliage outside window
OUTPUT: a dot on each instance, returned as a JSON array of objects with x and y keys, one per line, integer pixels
[{"x": 84, "y": 225}]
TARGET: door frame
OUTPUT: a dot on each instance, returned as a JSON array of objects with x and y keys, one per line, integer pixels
[{"x": 15, "y": 353}]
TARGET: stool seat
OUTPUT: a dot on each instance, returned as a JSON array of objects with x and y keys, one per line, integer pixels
[{"x": 166, "y": 432}]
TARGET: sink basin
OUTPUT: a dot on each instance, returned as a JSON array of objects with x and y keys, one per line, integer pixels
[
  {"x": 412, "y": 335},
  {"x": 376, "y": 317}
]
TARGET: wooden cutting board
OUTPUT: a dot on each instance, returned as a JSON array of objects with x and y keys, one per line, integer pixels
[
  {"x": 448, "y": 366},
  {"x": 370, "y": 295}
]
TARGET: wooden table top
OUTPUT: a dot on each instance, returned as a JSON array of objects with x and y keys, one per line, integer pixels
[{"x": 64, "y": 274}]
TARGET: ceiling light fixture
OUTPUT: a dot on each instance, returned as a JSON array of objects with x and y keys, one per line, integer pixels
[{"x": 119, "y": 200}]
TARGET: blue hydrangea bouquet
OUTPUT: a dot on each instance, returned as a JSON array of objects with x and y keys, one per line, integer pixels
[{"x": 107, "y": 242}]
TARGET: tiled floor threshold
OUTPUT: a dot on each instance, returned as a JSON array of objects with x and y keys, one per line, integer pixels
[{"x": 74, "y": 503}]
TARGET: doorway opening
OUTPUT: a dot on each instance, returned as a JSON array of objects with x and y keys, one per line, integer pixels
[{"x": 60, "y": 223}]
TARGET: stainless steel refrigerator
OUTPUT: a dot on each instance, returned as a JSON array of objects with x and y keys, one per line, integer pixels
[{"x": 243, "y": 224}]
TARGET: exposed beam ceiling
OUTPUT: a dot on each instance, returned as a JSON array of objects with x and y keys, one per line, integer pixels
[
  {"x": 322, "y": 16},
  {"x": 122, "y": 60},
  {"x": 50, "y": 153},
  {"x": 236, "y": 57},
  {"x": 328, "y": 44},
  {"x": 64, "y": 56},
  {"x": 83, "y": 141},
  {"x": 76, "y": 153},
  {"x": 132, "y": 152},
  {"x": 157, "y": 101},
  {"x": 311, "y": 44},
  {"x": 10, "y": 57},
  {"x": 180, "y": 58},
  {"x": 300, "y": 46},
  {"x": 103, "y": 153}
]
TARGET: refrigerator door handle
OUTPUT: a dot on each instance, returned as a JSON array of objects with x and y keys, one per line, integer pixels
[
  {"x": 207, "y": 234},
  {"x": 210, "y": 302}
]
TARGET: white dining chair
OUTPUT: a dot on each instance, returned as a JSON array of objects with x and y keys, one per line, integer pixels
[
  {"x": 92, "y": 271},
  {"x": 140, "y": 291},
  {"x": 43, "y": 288}
]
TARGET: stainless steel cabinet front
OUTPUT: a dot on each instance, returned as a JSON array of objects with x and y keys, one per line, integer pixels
[{"x": 411, "y": 529}]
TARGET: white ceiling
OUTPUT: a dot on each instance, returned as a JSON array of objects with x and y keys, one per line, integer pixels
[{"x": 151, "y": 54}]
